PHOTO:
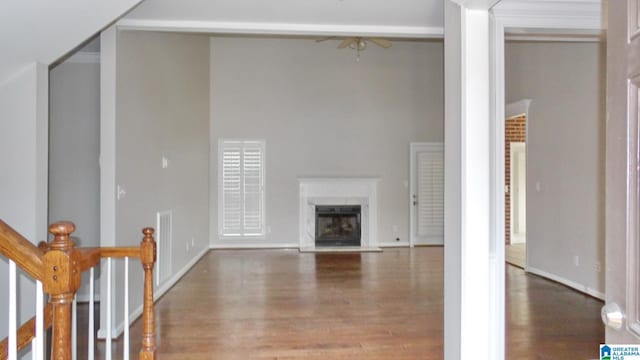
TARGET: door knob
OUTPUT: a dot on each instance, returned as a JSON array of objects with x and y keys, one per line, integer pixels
[
  {"x": 612, "y": 316},
  {"x": 415, "y": 200}
]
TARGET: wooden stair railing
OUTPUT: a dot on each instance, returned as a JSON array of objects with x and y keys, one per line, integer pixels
[{"x": 59, "y": 266}]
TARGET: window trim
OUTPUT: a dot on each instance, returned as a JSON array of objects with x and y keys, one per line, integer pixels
[{"x": 221, "y": 145}]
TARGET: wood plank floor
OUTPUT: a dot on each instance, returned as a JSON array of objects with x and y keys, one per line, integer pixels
[
  {"x": 279, "y": 304},
  {"x": 515, "y": 254}
]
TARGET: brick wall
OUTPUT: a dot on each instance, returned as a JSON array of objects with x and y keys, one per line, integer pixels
[{"x": 515, "y": 131}]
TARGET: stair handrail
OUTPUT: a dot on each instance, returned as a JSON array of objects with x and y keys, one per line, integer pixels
[
  {"x": 17, "y": 248},
  {"x": 59, "y": 266}
]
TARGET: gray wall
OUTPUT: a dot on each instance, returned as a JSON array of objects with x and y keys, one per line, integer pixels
[
  {"x": 23, "y": 183},
  {"x": 162, "y": 109},
  {"x": 322, "y": 113},
  {"x": 74, "y": 150},
  {"x": 565, "y": 155}
]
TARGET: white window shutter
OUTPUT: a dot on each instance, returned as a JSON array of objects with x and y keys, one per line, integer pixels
[
  {"x": 252, "y": 188},
  {"x": 430, "y": 194},
  {"x": 241, "y": 188}
]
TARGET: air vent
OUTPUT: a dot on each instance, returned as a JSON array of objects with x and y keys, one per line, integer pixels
[{"x": 163, "y": 243}]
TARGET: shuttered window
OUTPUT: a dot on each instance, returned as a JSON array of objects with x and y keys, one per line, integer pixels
[
  {"x": 430, "y": 169},
  {"x": 241, "y": 188}
]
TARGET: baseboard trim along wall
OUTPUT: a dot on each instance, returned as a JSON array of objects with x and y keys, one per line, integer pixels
[
  {"x": 245, "y": 246},
  {"x": 158, "y": 292},
  {"x": 394, "y": 244},
  {"x": 572, "y": 284}
]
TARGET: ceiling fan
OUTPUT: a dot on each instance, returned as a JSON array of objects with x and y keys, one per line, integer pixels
[{"x": 359, "y": 43}]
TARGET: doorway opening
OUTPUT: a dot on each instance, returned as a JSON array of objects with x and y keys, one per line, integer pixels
[{"x": 515, "y": 190}]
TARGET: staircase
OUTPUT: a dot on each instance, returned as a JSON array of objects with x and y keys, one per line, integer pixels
[{"x": 57, "y": 268}]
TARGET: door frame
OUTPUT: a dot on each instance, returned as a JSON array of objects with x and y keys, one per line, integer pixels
[
  {"x": 586, "y": 19},
  {"x": 512, "y": 110},
  {"x": 514, "y": 147},
  {"x": 414, "y": 148}
]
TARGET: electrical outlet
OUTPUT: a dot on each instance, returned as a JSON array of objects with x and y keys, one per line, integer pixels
[
  {"x": 576, "y": 260},
  {"x": 193, "y": 242}
]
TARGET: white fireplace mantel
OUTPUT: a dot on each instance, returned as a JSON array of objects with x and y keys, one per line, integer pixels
[{"x": 339, "y": 191}]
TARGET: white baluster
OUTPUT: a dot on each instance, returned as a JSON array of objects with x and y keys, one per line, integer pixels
[
  {"x": 92, "y": 333},
  {"x": 108, "y": 340},
  {"x": 37, "y": 344},
  {"x": 74, "y": 329},
  {"x": 126, "y": 309},
  {"x": 13, "y": 321}
]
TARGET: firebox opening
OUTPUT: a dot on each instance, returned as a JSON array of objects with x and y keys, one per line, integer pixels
[{"x": 338, "y": 225}]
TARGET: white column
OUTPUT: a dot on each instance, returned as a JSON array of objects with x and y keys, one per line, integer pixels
[{"x": 468, "y": 326}]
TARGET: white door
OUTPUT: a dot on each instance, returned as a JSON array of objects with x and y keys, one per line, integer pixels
[
  {"x": 621, "y": 313},
  {"x": 518, "y": 192},
  {"x": 426, "y": 200}
]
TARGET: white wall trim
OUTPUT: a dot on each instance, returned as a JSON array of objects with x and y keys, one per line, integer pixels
[
  {"x": 158, "y": 292},
  {"x": 496, "y": 189},
  {"x": 554, "y": 38},
  {"x": 471, "y": 330},
  {"x": 232, "y": 246},
  {"x": 107, "y": 159},
  {"x": 572, "y": 284},
  {"x": 398, "y": 244},
  {"x": 551, "y": 14},
  {"x": 82, "y": 57},
  {"x": 518, "y": 108},
  {"x": 264, "y": 28}
]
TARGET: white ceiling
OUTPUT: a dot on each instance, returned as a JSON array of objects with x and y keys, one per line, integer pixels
[
  {"x": 315, "y": 15},
  {"x": 44, "y": 31}
]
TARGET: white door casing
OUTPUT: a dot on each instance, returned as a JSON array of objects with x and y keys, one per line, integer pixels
[{"x": 426, "y": 195}]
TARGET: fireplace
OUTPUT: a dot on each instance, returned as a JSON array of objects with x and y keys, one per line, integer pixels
[{"x": 338, "y": 225}]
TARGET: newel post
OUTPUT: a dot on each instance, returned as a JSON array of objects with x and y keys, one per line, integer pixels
[
  {"x": 61, "y": 281},
  {"x": 148, "y": 259}
]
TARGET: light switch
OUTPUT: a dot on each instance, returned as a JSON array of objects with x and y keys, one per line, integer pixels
[{"x": 165, "y": 162}]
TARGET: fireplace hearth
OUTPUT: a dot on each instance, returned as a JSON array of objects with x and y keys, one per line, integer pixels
[{"x": 338, "y": 225}]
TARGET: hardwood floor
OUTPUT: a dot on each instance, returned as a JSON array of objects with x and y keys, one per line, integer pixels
[
  {"x": 280, "y": 304},
  {"x": 515, "y": 254}
]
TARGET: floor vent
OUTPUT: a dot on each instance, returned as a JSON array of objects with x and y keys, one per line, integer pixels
[{"x": 163, "y": 243}]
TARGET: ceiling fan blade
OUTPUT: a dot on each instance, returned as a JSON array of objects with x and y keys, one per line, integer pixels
[
  {"x": 346, "y": 42},
  {"x": 381, "y": 42}
]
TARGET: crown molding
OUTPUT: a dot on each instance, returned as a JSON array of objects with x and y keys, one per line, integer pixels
[
  {"x": 83, "y": 57},
  {"x": 257, "y": 28},
  {"x": 551, "y": 14}
]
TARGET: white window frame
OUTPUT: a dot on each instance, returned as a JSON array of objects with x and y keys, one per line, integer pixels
[{"x": 222, "y": 144}]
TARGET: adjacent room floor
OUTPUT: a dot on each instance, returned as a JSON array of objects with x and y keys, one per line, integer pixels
[
  {"x": 515, "y": 254},
  {"x": 280, "y": 304}
]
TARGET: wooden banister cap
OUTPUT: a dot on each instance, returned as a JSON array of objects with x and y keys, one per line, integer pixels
[
  {"x": 148, "y": 231},
  {"x": 61, "y": 232},
  {"x": 62, "y": 228}
]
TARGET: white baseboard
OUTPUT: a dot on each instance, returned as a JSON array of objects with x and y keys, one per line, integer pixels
[
  {"x": 394, "y": 244},
  {"x": 230, "y": 246},
  {"x": 158, "y": 292},
  {"x": 572, "y": 284}
]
